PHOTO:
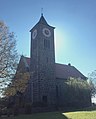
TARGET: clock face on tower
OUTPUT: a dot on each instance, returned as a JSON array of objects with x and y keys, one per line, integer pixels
[
  {"x": 46, "y": 32},
  {"x": 34, "y": 34}
]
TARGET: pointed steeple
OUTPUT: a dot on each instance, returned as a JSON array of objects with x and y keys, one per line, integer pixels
[
  {"x": 42, "y": 20},
  {"x": 41, "y": 11}
]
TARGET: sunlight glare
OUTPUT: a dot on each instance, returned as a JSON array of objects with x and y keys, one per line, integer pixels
[{"x": 60, "y": 41}]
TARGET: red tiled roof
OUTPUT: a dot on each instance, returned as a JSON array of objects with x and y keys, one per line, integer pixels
[
  {"x": 64, "y": 71},
  {"x": 67, "y": 71},
  {"x": 28, "y": 60}
]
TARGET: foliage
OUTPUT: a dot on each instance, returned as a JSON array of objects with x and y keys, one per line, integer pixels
[
  {"x": 8, "y": 55},
  {"x": 19, "y": 83},
  {"x": 77, "y": 93},
  {"x": 14, "y": 93}
]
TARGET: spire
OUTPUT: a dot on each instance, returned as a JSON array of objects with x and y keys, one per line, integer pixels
[
  {"x": 41, "y": 11},
  {"x": 42, "y": 19}
]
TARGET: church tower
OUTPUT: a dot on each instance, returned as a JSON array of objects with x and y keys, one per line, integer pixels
[{"x": 42, "y": 65}]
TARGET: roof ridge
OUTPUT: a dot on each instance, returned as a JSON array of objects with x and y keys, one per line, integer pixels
[{"x": 64, "y": 64}]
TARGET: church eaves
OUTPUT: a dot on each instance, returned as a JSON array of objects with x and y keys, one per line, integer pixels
[{"x": 63, "y": 71}]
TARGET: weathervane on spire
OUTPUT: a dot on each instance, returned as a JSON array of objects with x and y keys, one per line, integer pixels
[{"x": 41, "y": 11}]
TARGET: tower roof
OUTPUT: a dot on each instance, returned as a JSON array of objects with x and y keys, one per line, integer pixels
[{"x": 42, "y": 20}]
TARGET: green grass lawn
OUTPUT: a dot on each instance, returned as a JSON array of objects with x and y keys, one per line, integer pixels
[
  {"x": 58, "y": 115},
  {"x": 48, "y": 115},
  {"x": 81, "y": 115}
]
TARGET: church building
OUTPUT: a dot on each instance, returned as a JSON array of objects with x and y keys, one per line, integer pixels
[{"x": 46, "y": 83}]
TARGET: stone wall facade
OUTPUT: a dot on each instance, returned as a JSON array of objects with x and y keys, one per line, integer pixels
[
  {"x": 43, "y": 63},
  {"x": 45, "y": 88}
]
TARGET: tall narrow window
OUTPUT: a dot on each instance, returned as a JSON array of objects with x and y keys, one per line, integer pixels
[{"x": 46, "y": 43}]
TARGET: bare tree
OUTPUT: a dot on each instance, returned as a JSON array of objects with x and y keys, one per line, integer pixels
[
  {"x": 92, "y": 82},
  {"x": 8, "y": 54}
]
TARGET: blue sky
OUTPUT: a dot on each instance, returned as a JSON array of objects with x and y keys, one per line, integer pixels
[{"x": 75, "y": 33}]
